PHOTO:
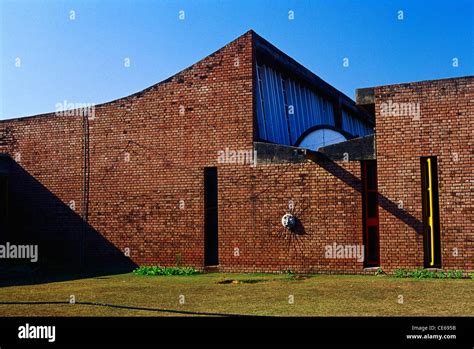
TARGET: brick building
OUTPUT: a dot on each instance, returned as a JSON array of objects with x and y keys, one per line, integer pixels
[{"x": 247, "y": 161}]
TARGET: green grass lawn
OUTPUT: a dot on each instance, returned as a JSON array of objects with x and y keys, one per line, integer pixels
[{"x": 255, "y": 294}]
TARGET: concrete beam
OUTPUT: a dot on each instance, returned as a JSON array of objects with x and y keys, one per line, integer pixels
[
  {"x": 365, "y": 99},
  {"x": 365, "y": 96},
  {"x": 357, "y": 149},
  {"x": 270, "y": 153}
]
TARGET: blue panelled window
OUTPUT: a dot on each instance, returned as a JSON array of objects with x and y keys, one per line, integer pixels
[
  {"x": 354, "y": 125},
  {"x": 286, "y": 108}
]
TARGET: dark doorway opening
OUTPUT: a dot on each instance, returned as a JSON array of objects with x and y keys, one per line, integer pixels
[
  {"x": 431, "y": 230},
  {"x": 211, "y": 249},
  {"x": 370, "y": 214}
]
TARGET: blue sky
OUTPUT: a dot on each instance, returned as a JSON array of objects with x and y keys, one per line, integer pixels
[{"x": 82, "y": 60}]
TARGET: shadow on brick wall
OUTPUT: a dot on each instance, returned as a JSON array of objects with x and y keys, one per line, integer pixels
[
  {"x": 68, "y": 247},
  {"x": 354, "y": 182}
]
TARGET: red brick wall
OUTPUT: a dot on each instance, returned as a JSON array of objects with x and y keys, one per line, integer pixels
[
  {"x": 135, "y": 204},
  {"x": 147, "y": 153},
  {"x": 326, "y": 198},
  {"x": 45, "y": 179},
  {"x": 444, "y": 129}
]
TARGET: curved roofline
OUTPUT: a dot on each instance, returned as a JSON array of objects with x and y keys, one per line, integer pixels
[
  {"x": 141, "y": 92},
  {"x": 260, "y": 44}
]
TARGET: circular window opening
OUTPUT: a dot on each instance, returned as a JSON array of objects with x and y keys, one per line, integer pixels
[{"x": 321, "y": 138}]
